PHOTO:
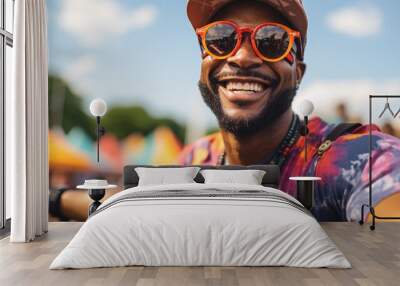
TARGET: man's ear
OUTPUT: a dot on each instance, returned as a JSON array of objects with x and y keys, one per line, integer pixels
[{"x": 300, "y": 70}]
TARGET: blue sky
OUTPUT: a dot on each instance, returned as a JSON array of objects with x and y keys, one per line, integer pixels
[{"x": 145, "y": 52}]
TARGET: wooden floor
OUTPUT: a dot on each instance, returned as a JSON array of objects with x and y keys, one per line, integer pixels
[{"x": 375, "y": 257}]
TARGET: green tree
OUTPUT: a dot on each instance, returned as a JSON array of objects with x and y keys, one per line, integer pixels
[
  {"x": 66, "y": 108},
  {"x": 124, "y": 120}
]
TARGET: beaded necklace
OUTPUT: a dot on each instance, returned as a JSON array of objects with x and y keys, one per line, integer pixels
[{"x": 280, "y": 154}]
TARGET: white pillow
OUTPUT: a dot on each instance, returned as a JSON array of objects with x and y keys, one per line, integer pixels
[
  {"x": 248, "y": 177},
  {"x": 162, "y": 176}
]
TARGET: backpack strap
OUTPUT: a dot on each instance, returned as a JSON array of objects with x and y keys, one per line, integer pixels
[{"x": 339, "y": 130}]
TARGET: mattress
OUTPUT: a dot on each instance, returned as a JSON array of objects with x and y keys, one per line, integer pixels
[{"x": 201, "y": 225}]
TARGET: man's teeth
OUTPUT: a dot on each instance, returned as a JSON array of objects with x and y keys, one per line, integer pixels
[{"x": 244, "y": 86}]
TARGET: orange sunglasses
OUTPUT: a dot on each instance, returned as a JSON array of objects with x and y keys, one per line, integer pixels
[{"x": 271, "y": 42}]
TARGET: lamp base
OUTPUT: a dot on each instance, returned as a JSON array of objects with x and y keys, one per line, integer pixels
[
  {"x": 305, "y": 190},
  {"x": 96, "y": 195},
  {"x": 305, "y": 193}
]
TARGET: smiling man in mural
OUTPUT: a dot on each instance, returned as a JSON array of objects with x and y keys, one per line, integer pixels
[
  {"x": 253, "y": 62},
  {"x": 252, "y": 65}
]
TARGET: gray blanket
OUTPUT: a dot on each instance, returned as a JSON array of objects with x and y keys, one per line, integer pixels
[{"x": 202, "y": 194}]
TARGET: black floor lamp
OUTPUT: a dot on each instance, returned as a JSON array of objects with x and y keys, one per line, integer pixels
[
  {"x": 97, "y": 187},
  {"x": 369, "y": 205},
  {"x": 305, "y": 108},
  {"x": 98, "y": 108},
  {"x": 305, "y": 184}
]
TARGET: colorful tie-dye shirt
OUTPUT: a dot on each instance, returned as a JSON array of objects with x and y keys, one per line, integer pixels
[{"x": 343, "y": 168}]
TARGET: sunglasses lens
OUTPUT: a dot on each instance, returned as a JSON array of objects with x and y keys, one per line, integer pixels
[
  {"x": 221, "y": 39},
  {"x": 272, "y": 41}
]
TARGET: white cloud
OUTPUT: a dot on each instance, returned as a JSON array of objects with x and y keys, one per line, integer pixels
[
  {"x": 95, "y": 21},
  {"x": 80, "y": 68},
  {"x": 326, "y": 94},
  {"x": 78, "y": 73},
  {"x": 359, "y": 21}
]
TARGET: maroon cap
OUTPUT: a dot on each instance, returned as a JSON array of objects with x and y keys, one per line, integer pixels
[{"x": 200, "y": 11}]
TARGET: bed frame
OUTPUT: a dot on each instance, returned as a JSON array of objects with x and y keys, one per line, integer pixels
[{"x": 271, "y": 177}]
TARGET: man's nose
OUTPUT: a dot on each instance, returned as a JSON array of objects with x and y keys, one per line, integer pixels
[{"x": 245, "y": 57}]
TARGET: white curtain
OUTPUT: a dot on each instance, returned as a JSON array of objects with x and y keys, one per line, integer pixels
[{"x": 27, "y": 124}]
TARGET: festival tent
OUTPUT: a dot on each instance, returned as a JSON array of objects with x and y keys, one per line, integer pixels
[
  {"x": 158, "y": 148},
  {"x": 63, "y": 155}
]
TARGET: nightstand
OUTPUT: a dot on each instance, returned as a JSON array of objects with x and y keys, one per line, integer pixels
[
  {"x": 305, "y": 190},
  {"x": 96, "y": 190}
]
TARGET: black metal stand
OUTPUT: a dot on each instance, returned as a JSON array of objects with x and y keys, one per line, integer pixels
[
  {"x": 305, "y": 137},
  {"x": 98, "y": 137},
  {"x": 304, "y": 132},
  {"x": 96, "y": 195},
  {"x": 100, "y": 131},
  {"x": 369, "y": 205}
]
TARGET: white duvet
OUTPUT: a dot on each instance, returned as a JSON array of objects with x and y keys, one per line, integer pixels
[{"x": 185, "y": 230}]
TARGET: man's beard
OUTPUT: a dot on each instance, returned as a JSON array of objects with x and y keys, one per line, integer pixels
[{"x": 242, "y": 128}]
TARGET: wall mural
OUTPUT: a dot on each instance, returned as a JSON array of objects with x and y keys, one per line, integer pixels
[{"x": 143, "y": 59}]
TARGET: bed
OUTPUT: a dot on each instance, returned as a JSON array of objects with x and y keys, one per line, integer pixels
[{"x": 201, "y": 224}]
